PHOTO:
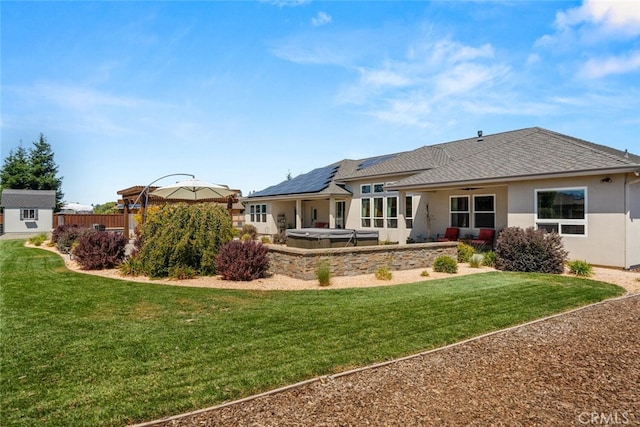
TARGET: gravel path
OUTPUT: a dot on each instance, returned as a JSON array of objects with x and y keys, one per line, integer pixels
[{"x": 580, "y": 368}]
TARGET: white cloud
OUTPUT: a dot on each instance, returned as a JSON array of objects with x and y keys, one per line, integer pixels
[
  {"x": 414, "y": 110},
  {"x": 77, "y": 97},
  {"x": 612, "y": 15},
  {"x": 453, "y": 52},
  {"x": 465, "y": 78},
  {"x": 533, "y": 58},
  {"x": 384, "y": 78},
  {"x": 321, "y": 19},
  {"x": 602, "y": 67},
  {"x": 286, "y": 3},
  {"x": 435, "y": 79}
]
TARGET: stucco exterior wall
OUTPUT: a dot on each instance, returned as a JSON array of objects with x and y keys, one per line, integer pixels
[
  {"x": 13, "y": 223},
  {"x": 604, "y": 241},
  {"x": 633, "y": 222},
  {"x": 439, "y": 208},
  {"x": 353, "y": 212}
]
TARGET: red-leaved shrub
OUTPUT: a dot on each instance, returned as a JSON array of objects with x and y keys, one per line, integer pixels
[
  {"x": 97, "y": 250},
  {"x": 530, "y": 250},
  {"x": 242, "y": 261},
  {"x": 65, "y": 235}
]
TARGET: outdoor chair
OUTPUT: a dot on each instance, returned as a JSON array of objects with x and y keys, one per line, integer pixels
[
  {"x": 450, "y": 235},
  {"x": 485, "y": 238}
]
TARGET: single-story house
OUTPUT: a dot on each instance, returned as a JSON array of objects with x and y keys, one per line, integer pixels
[
  {"x": 533, "y": 177},
  {"x": 28, "y": 211}
]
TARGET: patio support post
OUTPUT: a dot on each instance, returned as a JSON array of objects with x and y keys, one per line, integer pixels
[
  {"x": 402, "y": 223},
  {"x": 332, "y": 212},
  {"x": 298, "y": 213},
  {"x": 126, "y": 218}
]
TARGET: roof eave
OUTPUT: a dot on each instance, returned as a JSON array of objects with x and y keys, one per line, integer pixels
[
  {"x": 506, "y": 180},
  {"x": 395, "y": 175}
]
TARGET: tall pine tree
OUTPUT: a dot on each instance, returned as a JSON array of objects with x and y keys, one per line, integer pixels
[
  {"x": 15, "y": 171},
  {"x": 35, "y": 170}
]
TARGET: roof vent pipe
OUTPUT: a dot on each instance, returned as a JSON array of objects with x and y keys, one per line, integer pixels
[{"x": 480, "y": 136}]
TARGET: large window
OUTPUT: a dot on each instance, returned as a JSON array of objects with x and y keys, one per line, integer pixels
[
  {"x": 459, "y": 211},
  {"x": 365, "y": 213},
  {"x": 258, "y": 213},
  {"x": 409, "y": 211},
  {"x": 392, "y": 212},
  {"x": 562, "y": 210},
  {"x": 27, "y": 214},
  {"x": 484, "y": 211},
  {"x": 379, "y": 209},
  {"x": 378, "y": 212}
]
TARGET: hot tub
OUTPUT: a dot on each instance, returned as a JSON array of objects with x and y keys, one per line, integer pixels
[{"x": 315, "y": 238}]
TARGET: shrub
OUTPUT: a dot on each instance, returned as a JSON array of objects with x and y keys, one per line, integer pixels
[
  {"x": 65, "y": 235},
  {"x": 445, "y": 264},
  {"x": 280, "y": 238},
  {"x": 97, "y": 250},
  {"x": 580, "y": 268},
  {"x": 383, "y": 273},
  {"x": 249, "y": 229},
  {"x": 180, "y": 235},
  {"x": 465, "y": 252},
  {"x": 489, "y": 259},
  {"x": 475, "y": 261},
  {"x": 131, "y": 266},
  {"x": 323, "y": 273},
  {"x": 265, "y": 240},
  {"x": 182, "y": 272},
  {"x": 530, "y": 251},
  {"x": 38, "y": 240},
  {"x": 424, "y": 273},
  {"x": 246, "y": 237},
  {"x": 243, "y": 261}
]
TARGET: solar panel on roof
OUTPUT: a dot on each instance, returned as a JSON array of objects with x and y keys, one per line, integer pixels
[
  {"x": 375, "y": 160},
  {"x": 310, "y": 182}
]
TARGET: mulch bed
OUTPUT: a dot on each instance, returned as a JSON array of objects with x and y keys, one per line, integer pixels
[{"x": 580, "y": 368}]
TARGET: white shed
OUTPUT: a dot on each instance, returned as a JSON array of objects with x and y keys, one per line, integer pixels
[{"x": 28, "y": 211}]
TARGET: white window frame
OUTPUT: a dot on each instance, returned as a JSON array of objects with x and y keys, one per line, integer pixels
[
  {"x": 31, "y": 214},
  {"x": 391, "y": 220},
  {"x": 258, "y": 212},
  {"x": 474, "y": 211},
  {"x": 376, "y": 197},
  {"x": 468, "y": 211},
  {"x": 408, "y": 215},
  {"x": 365, "y": 220},
  {"x": 560, "y": 222},
  {"x": 378, "y": 211}
]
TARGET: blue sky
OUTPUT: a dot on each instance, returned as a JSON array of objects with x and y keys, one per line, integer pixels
[{"x": 243, "y": 93}]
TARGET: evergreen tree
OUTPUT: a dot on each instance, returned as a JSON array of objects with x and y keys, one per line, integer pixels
[
  {"x": 15, "y": 171},
  {"x": 34, "y": 169},
  {"x": 44, "y": 169}
]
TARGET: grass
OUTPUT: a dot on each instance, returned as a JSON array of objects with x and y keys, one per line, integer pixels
[{"x": 84, "y": 350}]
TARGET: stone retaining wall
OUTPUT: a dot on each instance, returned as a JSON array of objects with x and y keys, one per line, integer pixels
[{"x": 353, "y": 261}]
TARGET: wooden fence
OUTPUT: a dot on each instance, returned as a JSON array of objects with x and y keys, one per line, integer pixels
[{"x": 88, "y": 220}]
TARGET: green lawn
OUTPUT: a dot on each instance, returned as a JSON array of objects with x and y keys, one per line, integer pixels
[{"x": 84, "y": 350}]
